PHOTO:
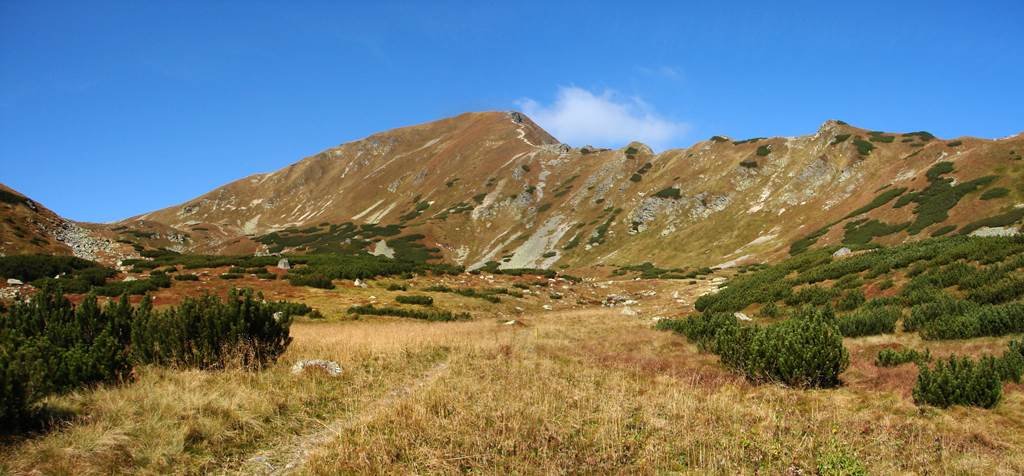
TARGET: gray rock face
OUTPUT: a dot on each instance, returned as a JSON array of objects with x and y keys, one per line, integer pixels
[
  {"x": 996, "y": 231},
  {"x": 82, "y": 243},
  {"x": 381, "y": 248}
]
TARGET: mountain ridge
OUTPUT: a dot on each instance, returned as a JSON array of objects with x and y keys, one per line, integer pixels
[{"x": 494, "y": 186}]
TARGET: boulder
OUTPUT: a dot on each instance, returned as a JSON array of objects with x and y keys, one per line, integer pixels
[
  {"x": 841, "y": 252},
  {"x": 284, "y": 264},
  {"x": 14, "y": 282},
  {"x": 330, "y": 367}
]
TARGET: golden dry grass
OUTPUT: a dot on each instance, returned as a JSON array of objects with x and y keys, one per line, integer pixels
[{"x": 574, "y": 391}]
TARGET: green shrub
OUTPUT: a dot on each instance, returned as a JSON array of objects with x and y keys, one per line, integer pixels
[
  {"x": 50, "y": 346},
  {"x": 230, "y": 276},
  {"x": 993, "y": 193},
  {"x": 981, "y": 321},
  {"x": 764, "y": 150},
  {"x": 1003, "y": 290},
  {"x": 944, "y": 230},
  {"x": 801, "y": 245},
  {"x": 186, "y": 277},
  {"x": 839, "y": 139},
  {"x": 923, "y": 314},
  {"x": 959, "y": 381},
  {"x": 669, "y": 192},
  {"x": 870, "y": 321},
  {"x": 803, "y": 351},
  {"x": 1002, "y": 219},
  {"x": 935, "y": 201},
  {"x": 434, "y": 315},
  {"x": 814, "y": 295},
  {"x": 28, "y": 268},
  {"x": 415, "y": 299},
  {"x": 850, "y": 300},
  {"x": 863, "y": 147},
  {"x": 861, "y": 232},
  {"x": 881, "y": 199},
  {"x": 894, "y": 357}
]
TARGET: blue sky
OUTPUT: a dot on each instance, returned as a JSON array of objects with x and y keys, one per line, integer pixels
[{"x": 110, "y": 109}]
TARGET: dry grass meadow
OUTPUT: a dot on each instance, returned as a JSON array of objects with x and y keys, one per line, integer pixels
[{"x": 579, "y": 389}]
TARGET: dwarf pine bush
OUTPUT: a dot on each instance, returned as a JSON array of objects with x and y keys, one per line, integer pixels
[
  {"x": 894, "y": 357},
  {"x": 960, "y": 381},
  {"x": 803, "y": 351},
  {"x": 870, "y": 321},
  {"x": 415, "y": 299},
  {"x": 50, "y": 346},
  {"x": 433, "y": 315},
  {"x": 206, "y": 332}
]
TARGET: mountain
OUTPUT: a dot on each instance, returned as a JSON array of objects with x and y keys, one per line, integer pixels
[
  {"x": 494, "y": 186},
  {"x": 28, "y": 227}
]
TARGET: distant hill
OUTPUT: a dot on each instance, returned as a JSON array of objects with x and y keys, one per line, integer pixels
[{"x": 494, "y": 186}]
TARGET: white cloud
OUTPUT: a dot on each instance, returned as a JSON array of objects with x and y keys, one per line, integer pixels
[{"x": 580, "y": 117}]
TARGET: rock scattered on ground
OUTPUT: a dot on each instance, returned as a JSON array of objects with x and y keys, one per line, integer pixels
[{"x": 329, "y": 366}]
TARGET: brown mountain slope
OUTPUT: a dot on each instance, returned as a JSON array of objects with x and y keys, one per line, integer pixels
[
  {"x": 27, "y": 227},
  {"x": 494, "y": 186}
]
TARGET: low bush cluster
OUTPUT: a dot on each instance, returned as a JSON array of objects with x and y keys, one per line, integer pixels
[
  {"x": 979, "y": 321},
  {"x": 803, "y": 351},
  {"x": 48, "y": 345},
  {"x": 960, "y": 381},
  {"x": 894, "y": 357},
  {"x": 432, "y": 315},
  {"x": 415, "y": 299},
  {"x": 870, "y": 321},
  {"x": 963, "y": 381}
]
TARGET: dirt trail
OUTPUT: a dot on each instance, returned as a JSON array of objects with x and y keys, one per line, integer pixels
[{"x": 292, "y": 455}]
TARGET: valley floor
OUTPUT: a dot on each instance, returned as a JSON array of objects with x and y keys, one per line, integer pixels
[{"x": 574, "y": 390}]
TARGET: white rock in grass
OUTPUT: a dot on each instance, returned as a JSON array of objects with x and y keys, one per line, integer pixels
[
  {"x": 741, "y": 316},
  {"x": 841, "y": 252},
  {"x": 330, "y": 367},
  {"x": 996, "y": 231}
]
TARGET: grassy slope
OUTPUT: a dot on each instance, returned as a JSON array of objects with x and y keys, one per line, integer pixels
[{"x": 573, "y": 389}]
